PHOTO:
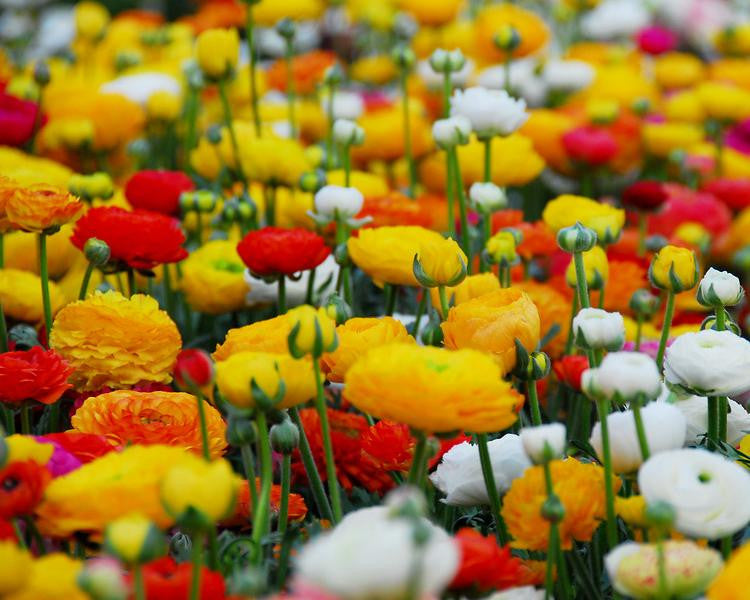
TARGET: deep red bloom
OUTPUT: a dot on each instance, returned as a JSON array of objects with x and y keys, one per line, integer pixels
[
  {"x": 158, "y": 191},
  {"x": 195, "y": 365},
  {"x": 590, "y": 145},
  {"x": 84, "y": 446},
  {"x": 735, "y": 193},
  {"x": 445, "y": 445},
  {"x": 16, "y": 120},
  {"x": 484, "y": 564},
  {"x": 686, "y": 205},
  {"x": 34, "y": 374},
  {"x": 569, "y": 370},
  {"x": 22, "y": 486},
  {"x": 656, "y": 40},
  {"x": 167, "y": 580},
  {"x": 274, "y": 251},
  {"x": 644, "y": 195},
  {"x": 7, "y": 532},
  {"x": 390, "y": 445},
  {"x": 140, "y": 239}
]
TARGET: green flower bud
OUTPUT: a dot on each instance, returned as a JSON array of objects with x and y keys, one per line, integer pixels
[
  {"x": 456, "y": 60},
  {"x": 240, "y": 431},
  {"x": 180, "y": 546},
  {"x": 126, "y": 59},
  {"x": 553, "y": 509},
  {"x": 284, "y": 437},
  {"x": 439, "y": 61},
  {"x": 576, "y": 238},
  {"x": 431, "y": 334},
  {"x": 644, "y": 303},
  {"x": 213, "y": 134},
  {"x": 660, "y": 514},
  {"x": 41, "y": 73},
  {"x": 24, "y": 336},
  {"x": 538, "y": 366},
  {"x": 338, "y": 309},
  {"x": 286, "y": 29},
  {"x": 404, "y": 57},
  {"x": 507, "y": 38},
  {"x": 641, "y": 106},
  {"x": 312, "y": 181},
  {"x": 333, "y": 75},
  {"x": 341, "y": 254},
  {"x": 96, "y": 251},
  {"x": 134, "y": 540},
  {"x": 710, "y": 323}
]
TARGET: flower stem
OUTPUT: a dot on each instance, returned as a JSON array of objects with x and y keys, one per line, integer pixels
[
  {"x": 640, "y": 430},
  {"x": 552, "y": 542},
  {"x": 310, "y": 286},
  {"x": 249, "y": 31},
  {"x": 286, "y": 477},
  {"x": 346, "y": 158},
  {"x": 329, "y": 135},
  {"x": 536, "y": 414},
  {"x": 721, "y": 318},
  {"x": 487, "y": 159},
  {"x": 421, "y": 306},
  {"x": 489, "y": 482},
  {"x": 342, "y": 234},
  {"x": 668, "y": 314},
  {"x": 281, "y": 304},
  {"x": 390, "y": 298},
  {"x": 444, "y": 307},
  {"x": 261, "y": 516},
  {"x": 26, "y": 419},
  {"x": 723, "y": 410},
  {"x": 447, "y": 89},
  {"x": 44, "y": 274},
  {"x": 418, "y": 459},
  {"x": 316, "y": 484},
  {"x": 461, "y": 194},
  {"x": 248, "y": 460},
  {"x": 232, "y": 134},
  {"x": 138, "y": 586},
  {"x": 581, "y": 282},
  {"x": 713, "y": 422},
  {"x": 661, "y": 565},
  {"x": 611, "y": 524},
  {"x": 196, "y": 557},
  {"x": 85, "y": 282},
  {"x": 333, "y": 484},
  {"x": 450, "y": 194},
  {"x": 573, "y": 313},
  {"x": 202, "y": 417},
  {"x": 131, "y": 283},
  {"x": 407, "y": 136},
  {"x": 484, "y": 265},
  {"x": 291, "y": 90}
]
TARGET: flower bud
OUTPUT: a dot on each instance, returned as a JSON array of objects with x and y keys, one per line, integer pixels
[
  {"x": 24, "y": 336},
  {"x": 456, "y": 60},
  {"x": 338, "y": 309},
  {"x": 240, "y": 431},
  {"x": 407, "y": 501},
  {"x": 403, "y": 56},
  {"x": 134, "y": 540},
  {"x": 217, "y": 52},
  {"x": 644, "y": 304},
  {"x": 127, "y": 59},
  {"x": 341, "y": 254},
  {"x": 41, "y": 73},
  {"x": 501, "y": 248},
  {"x": 641, "y": 106},
  {"x": 538, "y": 366},
  {"x": 553, "y": 509},
  {"x": 544, "y": 443},
  {"x": 337, "y": 202},
  {"x": 660, "y": 514},
  {"x": 163, "y": 106},
  {"x": 313, "y": 332},
  {"x": 102, "y": 579},
  {"x": 487, "y": 197},
  {"x": 576, "y": 238},
  {"x": 202, "y": 201},
  {"x": 507, "y": 38},
  {"x": 454, "y": 131},
  {"x": 239, "y": 209},
  {"x": 440, "y": 263},
  {"x": 99, "y": 185},
  {"x": 96, "y": 251},
  {"x": 439, "y": 60},
  {"x": 286, "y": 29},
  {"x": 194, "y": 367},
  {"x": 312, "y": 181},
  {"x": 602, "y": 112},
  {"x": 432, "y": 334},
  {"x": 214, "y": 134},
  {"x": 595, "y": 266},
  {"x": 91, "y": 19},
  {"x": 180, "y": 546},
  {"x": 284, "y": 437},
  {"x": 333, "y": 75},
  {"x": 623, "y": 377},
  {"x": 348, "y": 133},
  {"x": 656, "y": 242},
  {"x": 674, "y": 269},
  {"x": 710, "y": 322},
  {"x": 596, "y": 329},
  {"x": 719, "y": 288}
]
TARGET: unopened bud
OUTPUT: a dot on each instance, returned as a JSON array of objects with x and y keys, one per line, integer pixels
[
  {"x": 96, "y": 251},
  {"x": 576, "y": 238},
  {"x": 41, "y": 73},
  {"x": 284, "y": 437},
  {"x": 507, "y": 38}
]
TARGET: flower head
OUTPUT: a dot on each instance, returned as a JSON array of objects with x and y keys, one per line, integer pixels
[
  {"x": 484, "y": 565},
  {"x": 471, "y": 287},
  {"x": 440, "y": 263},
  {"x": 624, "y": 377},
  {"x": 21, "y": 295},
  {"x": 566, "y": 211},
  {"x": 134, "y": 539},
  {"x": 590, "y": 146},
  {"x": 22, "y": 485},
  {"x": 157, "y": 191},
  {"x": 33, "y": 374},
  {"x": 313, "y": 331},
  {"x": 17, "y": 567},
  {"x": 273, "y": 251},
  {"x": 719, "y": 288},
  {"x": 217, "y": 52},
  {"x": 491, "y": 112},
  {"x": 645, "y": 195},
  {"x": 731, "y": 578},
  {"x": 597, "y": 328},
  {"x": 212, "y": 278},
  {"x": 674, "y": 268},
  {"x": 41, "y": 208},
  {"x": 596, "y": 267}
]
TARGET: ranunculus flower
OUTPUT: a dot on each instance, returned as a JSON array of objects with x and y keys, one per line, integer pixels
[
  {"x": 656, "y": 40},
  {"x": 590, "y": 145},
  {"x": 644, "y": 195},
  {"x": 194, "y": 367},
  {"x": 452, "y": 131},
  {"x": 164, "y": 578},
  {"x": 22, "y": 485},
  {"x": 707, "y": 491},
  {"x": 543, "y": 439},
  {"x": 333, "y": 201},
  {"x": 139, "y": 239},
  {"x": 597, "y": 328},
  {"x": 624, "y": 376},
  {"x": 674, "y": 268},
  {"x": 491, "y": 112},
  {"x": 686, "y": 205},
  {"x": 459, "y": 473},
  {"x": 719, "y": 288},
  {"x": 695, "y": 410},
  {"x": 484, "y": 565},
  {"x": 39, "y": 208},
  {"x": 569, "y": 370},
  {"x": 16, "y": 120},
  {"x": 34, "y": 374},
  {"x": 157, "y": 191},
  {"x": 735, "y": 193},
  {"x": 272, "y": 251}
]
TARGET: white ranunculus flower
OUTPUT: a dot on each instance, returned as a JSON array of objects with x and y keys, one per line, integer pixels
[
  {"x": 140, "y": 86},
  {"x": 459, "y": 474},
  {"x": 454, "y": 131},
  {"x": 567, "y": 75},
  {"x": 371, "y": 554},
  {"x": 487, "y": 197},
  {"x": 695, "y": 411},
  {"x": 615, "y": 18},
  {"x": 262, "y": 292},
  {"x": 491, "y": 112},
  {"x": 346, "y": 105},
  {"x": 709, "y": 363},
  {"x": 333, "y": 200},
  {"x": 524, "y": 80},
  {"x": 536, "y": 439},
  {"x": 526, "y": 592},
  {"x": 347, "y": 133},
  {"x": 306, "y": 37},
  {"x": 719, "y": 288},
  {"x": 597, "y": 328},
  {"x": 708, "y": 492},
  {"x": 434, "y": 80},
  {"x": 665, "y": 428},
  {"x": 624, "y": 374}
]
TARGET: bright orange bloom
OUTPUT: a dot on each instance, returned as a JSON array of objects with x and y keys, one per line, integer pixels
[
  {"x": 262, "y": 336},
  {"x": 307, "y": 70},
  {"x": 546, "y": 128},
  {"x": 22, "y": 485},
  {"x": 170, "y": 418},
  {"x": 390, "y": 445},
  {"x": 628, "y": 276},
  {"x": 243, "y": 508},
  {"x": 491, "y": 323},
  {"x": 484, "y": 565},
  {"x": 579, "y": 486},
  {"x": 554, "y": 309},
  {"x": 394, "y": 209},
  {"x": 530, "y": 27},
  {"x": 471, "y": 287},
  {"x": 41, "y": 207},
  {"x": 7, "y": 189}
]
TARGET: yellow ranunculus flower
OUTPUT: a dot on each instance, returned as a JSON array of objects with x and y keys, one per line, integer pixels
[
  {"x": 733, "y": 39},
  {"x": 52, "y": 577},
  {"x": 502, "y": 247},
  {"x": 134, "y": 539},
  {"x": 21, "y": 296},
  {"x": 595, "y": 264},
  {"x": 491, "y": 323},
  {"x": 471, "y": 287},
  {"x": 210, "y": 488},
  {"x": 356, "y": 337},
  {"x": 386, "y": 254},
  {"x": 313, "y": 331},
  {"x": 732, "y": 578},
  {"x": 440, "y": 263},
  {"x": 432, "y": 12},
  {"x": 217, "y": 52},
  {"x": 270, "y": 335},
  {"x": 678, "y": 70},
  {"x": 621, "y": 82},
  {"x": 269, "y": 12},
  {"x": 532, "y": 30},
  {"x": 212, "y": 278},
  {"x": 660, "y": 139},
  {"x": 567, "y": 210},
  {"x": 432, "y": 389},
  {"x": 269, "y": 160},
  {"x": 22, "y": 448},
  {"x": 369, "y": 184},
  {"x": 205, "y": 159},
  {"x": 685, "y": 106},
  {"x": 91, "y": 19},
  {"x": 375, "y": 69},
  {"x": 15, "y": 567},
  {"x": 674, "y": 268},
  {"x": 163, "y": 106},
  {"x": 724, "y": 102},
  {"x": 234, "y": 376},
  {"x": 69, "y": 132}
]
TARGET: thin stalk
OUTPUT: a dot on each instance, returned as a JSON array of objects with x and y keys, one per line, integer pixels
[
  {"x": 196, "y": 557},
  {"x": 261, "y": 517},
  {"x": 249, "y": 32},
  {"x": 444, "y": 307},
  {"x": 329, "y": 134},
  {"x": 248, "y": 465},
  {"x": 333, "y": 484},
  {"x": 661, "y": 562},
  {"x": 723, "y": 410},
  {"x": 536, "y": 414},
  {"x": 316, "y": 484},
  {"x": 310, "y": 286},
  {"x": 131, "y": 283},
  {"x": 342, "y": 233},
  {"x": 86, "y": 280},
  {"x": 286, "y": 477},
  {"x": 552, "y": 542},
  {"x": 421, "y": 306},
  {"x": 668, "y": 315},
  {"x": 390, "y": 298},
  {"x": 463, "y": 214},
  {"x": 19, "y": 533},
  {"x": 450, "y": 195},
  {"x": 169, "y": 294},
  {"x": 713, "y": 422},
  {"x": 611, "y": 523},
  {"x": 138, "y": 586},
  {"x": 407, "y": 136},
  {"x": 204, "y": 427},
  {"x": 26, "y": 419},
  {"x": 640, "y": 430},
  {"x": 291, "y": 88},
  {"x": 44, "y": 275},
  {"x": 573, "y": 313},
  {"x": 281, "y": 304},
  {"x": 489, "y": 482},
  {"x": 230, "y": 127},
  {"x": 638, "y": 331},
  {"x": 721, "y": 318},
  {"x": 447, "y": 90},
  {"x": 581, "y": 282},
  {"x": 484, "y": 265},
  {"x": 726, "y": 546},
  {"x": 487, "y": 159},
  {"x": 346, "y": 158},
  {"x": 418, "y": 459}
]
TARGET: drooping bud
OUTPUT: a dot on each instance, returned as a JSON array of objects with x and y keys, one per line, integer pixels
[
  {"x": 338, "y": 309},
  {"x": 643, "y": 303},
  {"x": 41, "y": 73}
]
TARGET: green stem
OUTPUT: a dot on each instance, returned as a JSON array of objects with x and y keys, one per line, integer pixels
[
  {"x": 713, "y": 422},
  {"x": 44, "y": 275},
  {"x": 316, "y": 484},
  {"x": 484, "y": 265},
  {"x": 611, "y": 523},
  {"x": 261, "y": 517},
  {"x": 463, "y": 214},
  {"x": 601, "y": 294},
  {"x": 418, "y": 459},
  {"x": 661, "y": 565},
  {"x": 19, "y": 534},
  {"x": 552, "y": 542},
  {"x": 26, "y": 419},
  {"x": 573, "y": 313},
  {"x": 726, "y": 546},
  {"x": 642, "y": 230},
  {"x": 581, "y": 283},
  {"x": 329, "y": 134},
  {"x": 197, "y": 560},
  {"x": 202, "y": 417},
  {"x": 291, "y": 90},
  {"x": 342, "y": 233},
  {"x": 286, "y": 477},
  {"x": 198, "y": 227},
  {"x": 668, "y": 315},
  {"x": 638, "y": 331},
  {"x": 310, "y": 286},
  {"x": 444, "y": 307},
  {"x": 346, "y": 156},
  {"x": 640, "y": 430},
  {"x": 489, "y": 482},
  {"x": 230, "y": 127},
  {"x": 85, "y": 282},
  {"x": 36, "y": 125},
  {"x": 138, "y": 585},
  {"x": 248, "y": 465},
  {"x": 281, "y": 304},
  {"x": 421, "y": 306},
  {"x": 333, "y": 484},
  {"x": 450, "y": 195},
  {"x": 487, "y": 159},
  {"x": 3, "y": 331},
  {"x": 407, "y": 136},
  {"x": 721, "y": 318},
  {"x": 536, "y": 414},
  {"x": 131, "y": 283},
  {"x": 447, "y": 90},
  {"x": 390, "y": 298},
  {"x": 723, "y": 409},
  {"x": 249, "y": 31}
]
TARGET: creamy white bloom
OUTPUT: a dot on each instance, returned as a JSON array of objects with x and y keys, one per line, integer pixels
[
  {"x": 333, "y": 200},
  {"x": 567, "y": 75},
  {"x": 720, "y": 288},
  {"x": 695, "y": 411},
  {"x": 665, "y": 428},
  {"x": 709, "y": 363},
  {"x": 371, "y": 554},
  {"x": 708, "y": 492},
  {"x": 434, "y": 80},
  {"x": 525, "y": 592},
  {"x": 346, "y": 105},
  {"x": 524, "y": 79},
  {"x": 535, "y": 441},
  {"x": 346, "y": 132},
  {"x": 615, "y": 18},
  {"x": 262, "y": 292},
  {"x": 306, "y": 37},
  {"x": 140, "y": 86},
  {"x": 454, "y": 131},
  {"x": 459, "y": 474},
  {"x": 624, "y": 374},
  {"x": 491, "y": 112},
  {"x": 597, "y": 328},
  {"x": 487, "y": 197}
]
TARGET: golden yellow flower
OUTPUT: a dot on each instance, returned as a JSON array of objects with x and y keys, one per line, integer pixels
[
  {"x": 313, "y": 331},
  {"x": 471, "y": 287},
  {"x": 128, "y": 417},
  {"x": 163, "y": 106},
  {"x": 212, "y": 278},
  {"x": 440, "y": 263},
  {"x": 208, "y": 487},
  {"x": 734, "y": 70},
  {"x": 235, "y": 374},
  {"x": 622, "y": 82},
  {"x": 632, "y": 510},
  {"x": 684, "y": 106},
  {"x": 501, "y": 248},
  {"x": 381, "y": 143},
  {"x": 567, "y": 210},
  {"x": 217, "y": 52},
  {"x": 731, "y": 584},
  {"x": 270, "y": 335},
  {"x": 596, "y": 266},
  {"x": 52, "y": 577},
  {"x": 26, "y": 169},
  {"x": 674, "y": 268},
  {"x": 269, "y": 12},
  {"x": 356, "y": 337},
  {"x": 116, "y": 484},
  {"x": 724, "y": 102},
  {"x": 530, "y": 27},
  {"x": 69, "y": 133},
  {"x": 375, "y": 69},
  {"x": 733, "y": 39},
  {"x": 432, "y": 12},
  {"x": 370, "y": 184},
  {"x": 678, "y": 70},
  {"x": 432, "y": 389},
  {"x": 115, "y": 341},
  {"x": 270, "y": 160},
  {"x": 660, "y": 139},
  {"x": 21, "y": 296},
  {"x": 491, "y": 323},
  {"x": 23, "y": 448},
  {"x": 134, "y": 539},
  {"x": 554, "y": 309},
  {"x": 205, "y": 160},
  {"x": 22, "y": 252},
  {"x": 8, "y": 187},
  {"x": 16, "y": 566},
  {"x": 386, "y": 254},
  {"x": 91, "y": 19},
  {"x": 580, "y": 488},
  {"x": 41, "y": 207}
]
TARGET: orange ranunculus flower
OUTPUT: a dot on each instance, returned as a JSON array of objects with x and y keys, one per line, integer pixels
[
  {"x": 242, "y": 516},
  {"x": 579, "y": 486},
  {"x": 471, "y": 287},
  {"x": 270, "y": 335},
  {"x": 546, "y": 128},
  {"x": 307, "y": 70},
  {"x": 384, "y": 139},
  {"x": 393, "y": 209},
  {"x": 626, "y": 276},
  {"x": 431, "y": 12},
  {"x": 7, "y": 188},
  {"x": 22, "y": 485},
  {"x": 41, "y": 207},
  {"x": 554, "y": 309},
  {"x": 530, "y": 27},
  {"x": 356, "y": 337},
  {"x": 171, "y": 418},
  {"x": 492, "y": 322}
]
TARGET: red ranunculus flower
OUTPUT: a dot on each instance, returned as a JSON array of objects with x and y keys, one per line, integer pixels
[
  {"x": 569, "y": 370},
  {"x": 590, "y": 145},
  {"x": 34, "y": 374},
  {"x": 274, "y": 251},
  {"x": 84, "y": 446},
  {"x": 644, "y": 195},
  {"x": 167, "y": 580},
  {"x": 140, "y": 239},
  {"x": 735, "y": 193},
  {"x": 22, "y": 486},
  {"x": 16, "y": 120},
  {"x": 193, "y": 364},
  {"x": 158, "y": 191},
  {"x": 686, "y": 205},
  {"x": 484, "y": 564},
  {"x": 390, "y": 445},
  {"x": 656, "y": 40}
]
